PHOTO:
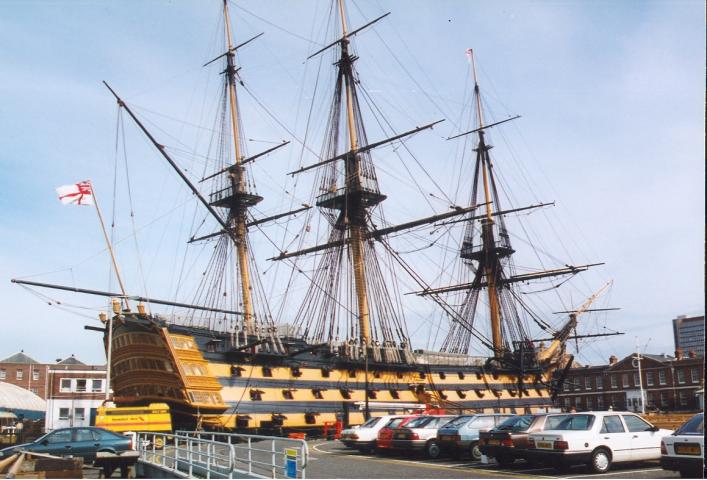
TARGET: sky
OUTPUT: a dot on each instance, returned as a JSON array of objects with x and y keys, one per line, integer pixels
[{"x": 611, "y": 98}]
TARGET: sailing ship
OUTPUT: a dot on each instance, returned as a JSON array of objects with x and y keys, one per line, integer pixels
[{"x": 347, "y": 353}]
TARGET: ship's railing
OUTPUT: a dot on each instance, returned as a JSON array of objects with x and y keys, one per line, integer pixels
[
  {"x": 274, "y": 457},
  {"x": 189, "y": 456}
]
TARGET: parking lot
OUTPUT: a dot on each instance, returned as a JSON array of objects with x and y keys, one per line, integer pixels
[{"x": 331, "y": 459}]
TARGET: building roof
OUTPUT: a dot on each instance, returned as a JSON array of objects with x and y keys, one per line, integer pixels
[
  {"x": 71, "y": 361},
  {"x": 13, "y": 397},
  {"x": 19, "y": 357}
]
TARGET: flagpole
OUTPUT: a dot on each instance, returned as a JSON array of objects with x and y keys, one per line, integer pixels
[{"x": 120, "y": 283}]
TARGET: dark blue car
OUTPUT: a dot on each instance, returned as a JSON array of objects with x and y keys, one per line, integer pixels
[{"x": 76, "y": 441}]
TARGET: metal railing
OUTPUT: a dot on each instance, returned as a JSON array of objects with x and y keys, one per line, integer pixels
[
  {"x": 187, "y": 455},
  {"x": 260, "y": 455}
]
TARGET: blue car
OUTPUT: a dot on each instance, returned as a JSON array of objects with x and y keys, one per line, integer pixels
[
  {"x": 461, "y": 435},
  {"x": 82, "y": 442}
]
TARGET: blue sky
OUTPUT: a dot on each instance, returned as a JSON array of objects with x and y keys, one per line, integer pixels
[{"x": 611, "y": 96}]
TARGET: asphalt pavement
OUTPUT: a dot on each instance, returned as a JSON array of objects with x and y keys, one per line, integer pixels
[{"x": 331, "y": 459}]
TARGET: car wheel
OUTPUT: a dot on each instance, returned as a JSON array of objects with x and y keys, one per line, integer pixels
[
  {"x": 475, "y": 452},
  {"x": 432, "y": 449},
  {"x": 601, "y": 461},
  {"x": 505, "y": 460}
]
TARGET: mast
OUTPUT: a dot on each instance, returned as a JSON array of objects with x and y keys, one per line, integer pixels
[
  {"x": 241, "y": 199},
  {"x": 487, "y": 224},
  {"x": 355, "y": 218}
]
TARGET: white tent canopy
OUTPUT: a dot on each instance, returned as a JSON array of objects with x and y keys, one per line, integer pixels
[{"x": 13, "y": 397}]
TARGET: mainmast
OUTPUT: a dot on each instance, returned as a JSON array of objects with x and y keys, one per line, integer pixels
[
  {"x": 238, "y": 199},
  {"x": 355, "y": 217},
  {"x": 490, "y": 265}
]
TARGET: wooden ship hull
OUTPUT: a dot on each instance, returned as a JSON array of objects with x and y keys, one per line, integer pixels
[{"x": 209, "y": 383}]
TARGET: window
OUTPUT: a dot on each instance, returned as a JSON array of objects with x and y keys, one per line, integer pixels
[
  {"x": 577, "y": 401},
  {"x": 325, "y": 372},
  {"x": 664, "y": 399},
  {"x": 19, "y": 374},
  {"x": 576, "y": 422},
  {"x": 79, "y": 413},
  {"x": 442, "y": 375},
  {"x": 96, "y": 385},
  {"x": 34, "y": 390},
  {"x": 63, "y": 414},
  {"x": 267, "y": 372},
  {"x": 661, "y": 377},
  {"x": 636, "y": 424},
  {"x": 85, "y": 435},
  {"x": 394, "y": 394},
  {"x": 599, "y": 382},
  {"x": 614, "y": 382},
  {"x": 256, "y": 394},
  {"x": 600, "y": 403},
  {"x": 345, "y": 394},
  {"x": 577, "y": 383},
  {"x": 481, "y": 423},
  {"x": 683, "y": 398},
  {"x": 649, "y": 379},
  {"x": 461, "y": 375},
  {"x": 636, "y": 380},
  {"x": 589, "y": 403},
  {"x": 80, "y": 385},
  {"x": 681, "y": 375},
  {"x": 461, "y": 394},
  {"x": 694, "y": 375},
  {"x": 612, "y": 424},
  {"x": 65, "y": 385},
  {"x": 587, "y": 383},
  {"x": 352, "y": 373},
  {"x": 3, "y": 374},
  {"x": 567, "y": 402},
  {"x": 35, "y": 374},
  {"x": 60, "y": 436},
  {"x": 565, "y": 386},
  {"x": 372, "y": 394},
  {"x": 624, "y": 380},
  {"x": 287, "y": 394},
  {"x": 317, "y": 393}
]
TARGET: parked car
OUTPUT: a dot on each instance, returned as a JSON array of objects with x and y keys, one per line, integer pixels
[
  {"x": 461, "y": 435},
  {"x": 384, "y": 441},
  {"x": 420, "y": 435},
  {"x": 363, "y": 437},
  {"x": 509, "y": 440},
  {"x": 684, "y": 450},
  {"x": 597, "y": 439},
  {"x": 76, "y": 441}
]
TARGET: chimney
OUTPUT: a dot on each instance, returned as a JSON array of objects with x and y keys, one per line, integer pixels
[
  {"x": 692, "y": 354},
  {"x": 678, "y": 354},
  {"x": 613, "y": 359}
]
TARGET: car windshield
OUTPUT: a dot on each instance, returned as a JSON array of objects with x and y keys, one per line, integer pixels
[
  {"x": 576, "y": 422},
  {"x": 394, "y": 423},
  {"x": 370, "y": 422},
  {"x": 516, "y": 424},
  {"x": 458, "y": 422},
  {"x": 694, "y": 426},
  {"x": 418, "y": 422},
  {"x": 553, "y": 421}
]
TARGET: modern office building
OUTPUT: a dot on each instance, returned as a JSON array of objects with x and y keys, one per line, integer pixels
[{"x": 689, "y": 333}]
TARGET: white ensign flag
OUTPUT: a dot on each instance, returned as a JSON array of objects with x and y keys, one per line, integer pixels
[{"x": 78, "y": 193}]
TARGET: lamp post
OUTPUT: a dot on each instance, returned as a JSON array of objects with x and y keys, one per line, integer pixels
[{"x": 637, "y": 360}]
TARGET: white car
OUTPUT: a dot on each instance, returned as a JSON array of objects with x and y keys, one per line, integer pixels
[
  {"x": 684, "y": 450},
  {"x": 597, "y": 439},
  {"x": 363, "y": 437}
]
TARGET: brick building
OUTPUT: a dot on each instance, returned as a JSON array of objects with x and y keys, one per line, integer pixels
[
  {"x": 669, "y": 384},
  {"x": 25, "y": 372},
  {"x": 75, "y": 391}
]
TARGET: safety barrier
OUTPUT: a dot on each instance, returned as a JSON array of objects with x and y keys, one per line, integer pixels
[
  {"x": 188, "y": 456},
  {"x": 260, "y": 455}
]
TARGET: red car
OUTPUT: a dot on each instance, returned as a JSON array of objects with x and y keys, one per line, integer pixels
[{"x": 385, "y": 435}]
